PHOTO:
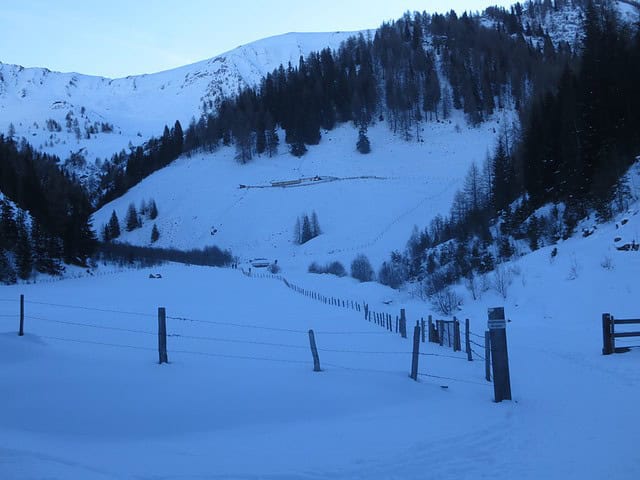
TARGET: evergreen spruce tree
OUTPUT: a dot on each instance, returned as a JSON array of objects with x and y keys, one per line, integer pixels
[
  {"x": 8, "y": 228},
  {"x": 131, "y": 221},
  {"x": 315, "y": 225},
  {"x": 271, "y": 135},
  {"x": 298, "y": 148},
  {"x": 363, "y": 145},
  {"x": 155, "y": 234},
  {"x": 113, "y": 226},
  {"x": 307, "y": 233},
  {"x": 23, "y": 250},
  {"x": 297, "y": 232},
  {"x": 104, "y": 233},
  {"x": 7, "y": 272},
  {"x": 46, "y": 255},
  {"x": 153, "y": 210}
]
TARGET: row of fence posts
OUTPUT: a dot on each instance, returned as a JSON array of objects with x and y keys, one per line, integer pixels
[
  {"x": 495, "y": 342},
  {"x": 436, "y": 334}
]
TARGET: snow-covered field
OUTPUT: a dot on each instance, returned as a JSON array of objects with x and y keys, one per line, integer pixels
[{"x": 92, "y": 410}]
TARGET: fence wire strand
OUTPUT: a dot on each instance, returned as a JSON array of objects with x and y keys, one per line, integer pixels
[
  {"x": 92, "y": 309},
  {"x": 90, "y": 342},
  {"x": 231, "y": 340},
  {"x": 100, "y": 327}
]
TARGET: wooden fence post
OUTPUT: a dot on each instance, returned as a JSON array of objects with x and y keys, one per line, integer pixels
[
  {"x": 422, "y": 330},
  {"x": 416, "y": 352},
  {"x": 431, "y": 330},
  {"x": 314, "y": 352},
  {"x": 487, "y": 356},
  {"x": 21, "y": 330},
  {"x": 467, "y": 340},
  {"x": 162, "y": 335},
  {"x": 456, "y": 335},
  {"x": 366, "y": 311},
  {"x": 403, "y": 323},
  {"x": 608, "y": 340},
  {"x": 441, "y": 331}
]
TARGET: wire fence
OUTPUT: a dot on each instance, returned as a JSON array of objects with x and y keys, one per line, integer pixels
[{"x": 69, "y": 318}]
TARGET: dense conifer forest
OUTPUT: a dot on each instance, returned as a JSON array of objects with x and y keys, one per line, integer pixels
[
  {"x": 577, "y": 141},
  {"x": 57, "y": 228}
]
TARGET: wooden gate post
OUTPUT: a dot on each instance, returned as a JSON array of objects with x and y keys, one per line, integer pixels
[
  {"x": 487, "y": 356},
  {"x": 21, "y": 330},
  {"x": 422, "y": 330},
  {"x": 440, "y": 331},
  {"x": 162, "y": 335},
  {"x": 432, "y": 331},
  {"x": 608, "y": 340},
  {"x": 456, "y": 335},
  {"x": 498, "y": 334},
  {"x": 314, "y": 352},
  {"x": 416, "y": 352},
  {"x": 467, "y": 340}
]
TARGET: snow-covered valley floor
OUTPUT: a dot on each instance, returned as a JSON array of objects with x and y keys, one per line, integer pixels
[{"x": 71, "y": 410}]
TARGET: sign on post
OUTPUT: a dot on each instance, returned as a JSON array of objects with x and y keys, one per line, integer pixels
[{"x": 500, "y": 357}]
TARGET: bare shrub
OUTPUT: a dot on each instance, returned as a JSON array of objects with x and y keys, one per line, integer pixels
[
  {"x": 502, "y": 280},
  {"x": 274, "y": 268},
  {"x": 390, "y": 275},
  {"x": 446, "y": 301},
  {"x": 607, "y": 263},
  {"x": 574, "y": 268},
  {"x": 337, "y": 269},
  {"x": 474, "y": 286}
]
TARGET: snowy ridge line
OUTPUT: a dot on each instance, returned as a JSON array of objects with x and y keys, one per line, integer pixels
[
  {"x": 101, "y": 327},
  {"x": 94, "y": 309}
]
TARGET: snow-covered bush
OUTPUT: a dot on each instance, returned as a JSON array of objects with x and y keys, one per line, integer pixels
[{"x": 361, "y": 269}]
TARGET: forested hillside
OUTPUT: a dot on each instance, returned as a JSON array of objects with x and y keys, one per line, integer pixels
[
  {"x": 56, "y": 227},
  {"x": 569, "y": 161},
  {"x": 407, "y": 73}
]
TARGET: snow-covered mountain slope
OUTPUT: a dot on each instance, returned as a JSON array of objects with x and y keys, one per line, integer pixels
[
  {"x": 365, "y": 203},
  {"x": 62, "y": 113}
]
